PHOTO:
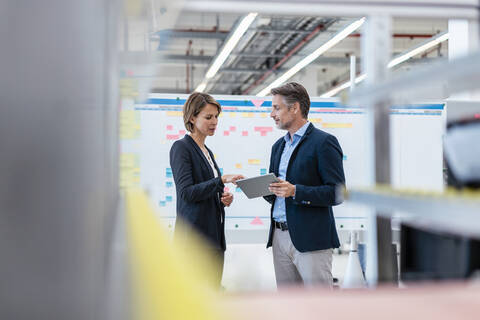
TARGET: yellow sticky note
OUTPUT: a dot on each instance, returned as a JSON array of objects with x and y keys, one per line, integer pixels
[
  {"x": 263, "y": 115},
  {"x": 337, "y": 125},
  {"x": 232, "y": 114},
  {"x": 253, "y": 161},
  {"x": 238, "y": 166},
  {"x": 315, "y": 120},
  {"x": 175, "y": 113}
]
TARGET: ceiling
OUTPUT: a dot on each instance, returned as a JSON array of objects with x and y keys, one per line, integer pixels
[{"x": 174, "y": 59}]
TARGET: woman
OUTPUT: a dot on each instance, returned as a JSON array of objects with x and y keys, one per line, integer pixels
[{"x": 200, "y": 186}]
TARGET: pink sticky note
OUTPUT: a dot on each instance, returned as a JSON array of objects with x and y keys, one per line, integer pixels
[
  {"x": 226, "y": 189},
  {"x": 169, "y": 127},
  {"x": 245, "y": 133},
  {"x": 182, "y": 132},
  {"x": 226, "y": 133},
  {"x": 263, "y": 133},
  {"x": 232, "y": 128},
  {"x": 172, "y": 136}
]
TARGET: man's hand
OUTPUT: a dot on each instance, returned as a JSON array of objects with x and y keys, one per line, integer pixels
[
  {"x": 227, "y": 199},
  {"x": 282, "y": 189}
]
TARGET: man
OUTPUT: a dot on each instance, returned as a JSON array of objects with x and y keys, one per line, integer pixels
[{"x": 308, "y": 162}]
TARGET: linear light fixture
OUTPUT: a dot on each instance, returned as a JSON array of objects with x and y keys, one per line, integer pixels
[
  {"x": 201, "y": 87},
  {"x": 424, "y": 46},
  {"x": 314, "y": 55},
  {"x": 227, "y": 48}
]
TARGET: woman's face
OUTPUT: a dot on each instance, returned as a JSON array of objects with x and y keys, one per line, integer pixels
[{"x": 205, "y": 123}]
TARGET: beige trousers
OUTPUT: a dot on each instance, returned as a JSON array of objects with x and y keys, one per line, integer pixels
[{"x": 312, "y": 268}]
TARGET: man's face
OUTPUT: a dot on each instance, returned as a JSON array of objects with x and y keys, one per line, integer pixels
[{"x": 281, "y": 113}]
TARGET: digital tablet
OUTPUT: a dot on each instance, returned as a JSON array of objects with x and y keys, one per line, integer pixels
[{"x": 257, "y": 186}]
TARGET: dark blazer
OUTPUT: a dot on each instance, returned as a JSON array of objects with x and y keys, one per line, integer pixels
[
  {"x": 316, "y": 168},
  {"x": 198, "y": 192}
]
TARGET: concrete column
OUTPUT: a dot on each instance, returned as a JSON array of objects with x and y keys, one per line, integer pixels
[{"x": 463, "y": 40}]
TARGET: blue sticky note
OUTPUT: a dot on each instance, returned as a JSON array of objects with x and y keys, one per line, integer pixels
[
  {"x": 169, "y": 198},
  {"x": 263, "y": 171},
  {"x": 169, "y": 184},
  {"x": 237, "y": 189},
  {"x": 168, "y": 175},
  {"x": 344, "y": 157},
  {"x": 162, "y": 203},
  {"x": 169, "y": 170},
  {"x": 221, "y": 171}
]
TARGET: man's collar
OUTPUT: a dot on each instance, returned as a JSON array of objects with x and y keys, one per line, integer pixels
[{"x": 300, "y": 132}]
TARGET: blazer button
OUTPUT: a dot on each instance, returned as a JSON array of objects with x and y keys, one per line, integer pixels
[{"x": 308, "y": 202}]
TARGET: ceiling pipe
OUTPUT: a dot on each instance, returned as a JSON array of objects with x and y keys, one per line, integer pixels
[{"x": 285, "y": 58}]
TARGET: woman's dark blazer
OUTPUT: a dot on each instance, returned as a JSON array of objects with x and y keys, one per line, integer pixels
[{"x": 198, "y": 192}]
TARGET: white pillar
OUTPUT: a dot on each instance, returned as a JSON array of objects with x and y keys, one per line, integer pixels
[{"x": 463, "y": 40}]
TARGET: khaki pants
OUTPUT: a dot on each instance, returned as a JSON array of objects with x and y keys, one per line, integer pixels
[{"x": 312, "y": 268}]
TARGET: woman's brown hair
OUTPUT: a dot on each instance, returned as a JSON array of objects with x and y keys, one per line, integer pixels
[{"x": 194, "y": 105}]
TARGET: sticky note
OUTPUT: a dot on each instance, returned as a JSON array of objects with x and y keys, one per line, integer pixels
[
  {"x": 169, "y": 198},
  {"x": 253, "y": 161},
  {"x": 226, "y": 189},
  {"x": 244, "y": 133},
  {"x": 232, "y": 114},
  {"x": 233, "y": 128},
  {"x": 263, "y": 171},
  {"x": 226, "y": 133},
  {"x": 182, "y": 132},
  {"x": 169, "y": 127},
  {"x": 172, "y": 136},
  {"x": 162, "y": 203},
  {"x": 175, "y": 113},
  {"x": 238, "y": 166},
  {"x": 169, "y": 184},
  {"x": 263, "y": 133},
  {"x": 315, "y": 120},
  {"x": 337, "y": 125},
  {"x": 237, "y": 189}
]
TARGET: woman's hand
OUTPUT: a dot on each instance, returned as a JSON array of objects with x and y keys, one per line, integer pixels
[
  {"x": 227, "y": 199},
  {"x": 231, "y": 178}
]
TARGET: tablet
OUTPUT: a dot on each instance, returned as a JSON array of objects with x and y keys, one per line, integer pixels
[{"x": 257, "y": 186}]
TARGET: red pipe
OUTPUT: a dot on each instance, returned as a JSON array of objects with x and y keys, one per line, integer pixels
[{"x": 189, "y": 47}]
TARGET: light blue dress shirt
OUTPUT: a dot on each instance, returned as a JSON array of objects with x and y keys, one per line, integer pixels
[{"x": 279, "y": 213}]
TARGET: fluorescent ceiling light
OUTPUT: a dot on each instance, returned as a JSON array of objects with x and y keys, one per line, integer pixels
[
  {"x": 314, "y": 55},
  {"x": 339, "y": 88},
  {"x": 227, "y": 49},
  {"x": 395, "y": 61},
  {"x": 421, "y": 48},
  {"x": 230, "y": 44},
  {"x": 201, "y": 87}
]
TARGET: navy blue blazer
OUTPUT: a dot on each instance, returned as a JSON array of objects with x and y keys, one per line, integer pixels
[
  {"x": 198, "y": 192},
  {"x": 316, "y": 168}
]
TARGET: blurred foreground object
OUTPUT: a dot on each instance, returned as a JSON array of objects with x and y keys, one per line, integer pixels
[{"x": 169, "y": 281}]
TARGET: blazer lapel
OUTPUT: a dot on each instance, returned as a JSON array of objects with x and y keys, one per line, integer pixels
[
  {"x": 201, "y": 155},
  {"x": 302, "y": 139},
  {"x": 278, "y": 156}
]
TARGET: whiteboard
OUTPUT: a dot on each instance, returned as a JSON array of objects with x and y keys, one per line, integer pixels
[{"x": 243, "y": 141}]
